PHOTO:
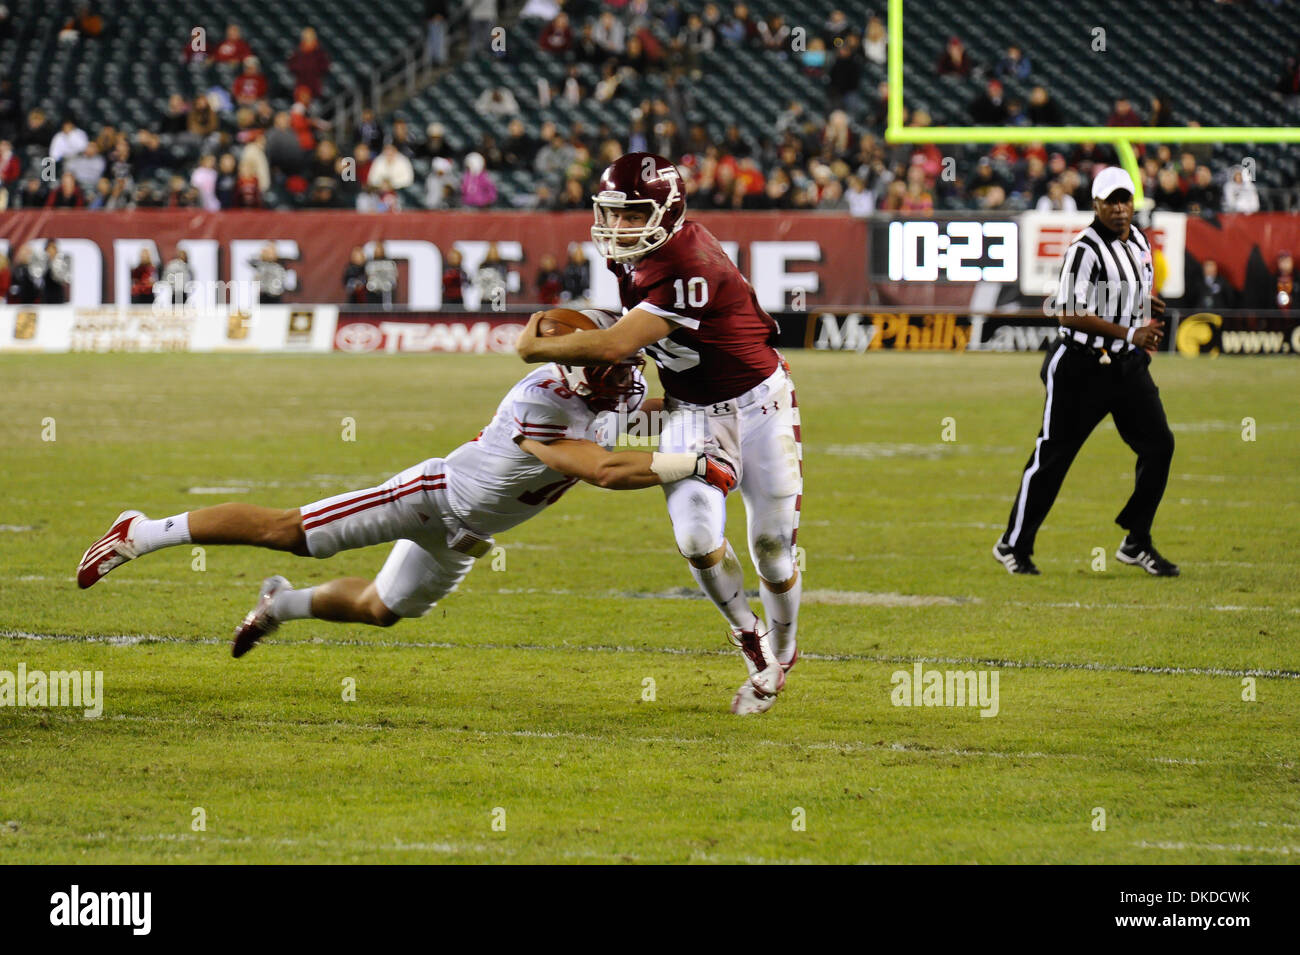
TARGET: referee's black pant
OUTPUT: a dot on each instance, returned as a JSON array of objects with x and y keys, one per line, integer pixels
[{"x": 1080, "y": 393}]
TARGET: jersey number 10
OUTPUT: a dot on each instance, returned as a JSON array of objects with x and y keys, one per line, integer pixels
[{"x": 694, "y": 292}]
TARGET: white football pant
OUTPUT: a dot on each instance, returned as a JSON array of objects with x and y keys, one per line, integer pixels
[
  {"x": 759, "y": 434},
  {"x": 410, "y": 508}
]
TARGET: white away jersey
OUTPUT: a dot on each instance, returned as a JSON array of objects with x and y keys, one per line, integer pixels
[{"x": 492, "y": 483}]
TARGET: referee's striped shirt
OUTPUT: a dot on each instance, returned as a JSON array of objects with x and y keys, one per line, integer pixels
[{"x": 1109, "y": 277}]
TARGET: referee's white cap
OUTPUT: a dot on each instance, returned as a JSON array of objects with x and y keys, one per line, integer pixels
[{"x": 1110, "y": 179}]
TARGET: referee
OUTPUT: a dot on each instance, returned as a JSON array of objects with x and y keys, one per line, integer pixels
[{"x": 1099, "y": 367}]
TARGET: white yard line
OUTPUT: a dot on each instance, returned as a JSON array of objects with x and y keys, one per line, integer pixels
[
  {"x": 126, "y": 640},
  {"x": 836, "y": 746},
  {"x": 440, "y": 848},
  {"x": 1217, "y": 847}
]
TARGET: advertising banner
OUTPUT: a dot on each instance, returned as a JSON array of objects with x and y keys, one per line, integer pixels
[
  {"x": 1206, "y": 334},
  {"x": 143, "y": 328},
  {"x": 791, "y": 259},
  {"x": 465, "y": 333}
]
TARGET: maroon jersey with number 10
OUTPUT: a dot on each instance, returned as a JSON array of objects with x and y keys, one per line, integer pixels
[{"x": 722, "y": 343}]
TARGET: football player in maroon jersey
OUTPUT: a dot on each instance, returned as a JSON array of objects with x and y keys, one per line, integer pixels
[{"x": 689, "y": 307}]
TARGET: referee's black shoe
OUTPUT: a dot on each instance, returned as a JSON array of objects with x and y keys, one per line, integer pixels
[
  {"x": 1013, "y": 562},
  {"x": 1144, "y": 554}
]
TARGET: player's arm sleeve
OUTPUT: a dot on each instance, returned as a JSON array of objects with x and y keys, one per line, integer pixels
[
  {"x": 1075, "y": 293},
  {"x": 540, "y": 420}
]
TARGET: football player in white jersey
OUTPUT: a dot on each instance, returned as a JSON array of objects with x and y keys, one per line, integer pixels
[{"x": 553, "y": 429}]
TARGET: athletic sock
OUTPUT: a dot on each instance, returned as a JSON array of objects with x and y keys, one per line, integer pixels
[
  {"x": 149, "y": 535},
  {"x": 783, "y": 618},
  {"x": 290, "y": 604},
  {"x": 724, "y": 584}
]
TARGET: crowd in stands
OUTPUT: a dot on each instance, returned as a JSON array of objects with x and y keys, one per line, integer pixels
[
  {"x": 225, "y": 149},
  {"x": 240, "y": 152}
]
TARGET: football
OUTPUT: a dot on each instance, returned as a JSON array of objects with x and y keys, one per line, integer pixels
[{"x": 562, "y": 321}]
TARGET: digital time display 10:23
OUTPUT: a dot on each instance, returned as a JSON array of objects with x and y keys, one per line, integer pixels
[{"x": 923, "y": 250}]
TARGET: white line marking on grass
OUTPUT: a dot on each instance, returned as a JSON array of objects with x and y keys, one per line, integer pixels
[
  {"x": 834, "y": 598},
  {"x": 878, "y": 450},
  {"x": 218, "y": 490},
  {"x": 836, "y": 746},
  {"x": 1216, "y": 847},
  {"x": 1193, "y": 427},
  {"x": 1079, "y": 605},
  {"x": 979, "y": 525},
  {"x": 127, "y": 581},
  {"x": 993, "y": 754},
  {"x": 1207, "y": 502},
  {"x": 445, "y": 848},
  {"x": 16, "y": 528},
  {"x": 442, "y": 848},
  {"x": 127, "y": 640},
  {"x": 856, "y": 598},
  {"x": 1265, "y": 825}
]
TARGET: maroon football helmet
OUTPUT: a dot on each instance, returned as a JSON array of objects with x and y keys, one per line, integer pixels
[
  {"x": 606, "y": 387},
  {"x": 640, "y": 182}
]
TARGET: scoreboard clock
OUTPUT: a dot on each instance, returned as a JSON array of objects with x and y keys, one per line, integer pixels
[{"x": 948, "y": 250}]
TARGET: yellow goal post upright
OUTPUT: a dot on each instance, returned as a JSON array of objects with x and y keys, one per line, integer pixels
[{"x": 1121, "y": 137}]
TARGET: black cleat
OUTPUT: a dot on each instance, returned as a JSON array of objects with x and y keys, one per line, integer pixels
[
  {"x": 1147, "y": 557},
  {"x": 1013, "y": 562}
]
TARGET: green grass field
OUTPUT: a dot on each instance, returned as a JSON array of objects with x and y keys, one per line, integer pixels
[{"x": 523, "y": 692}]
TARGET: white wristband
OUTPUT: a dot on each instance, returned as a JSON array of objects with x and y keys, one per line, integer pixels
[
  {"x": 1129, "y": 337},
  {"x": 673, "y": 467}
]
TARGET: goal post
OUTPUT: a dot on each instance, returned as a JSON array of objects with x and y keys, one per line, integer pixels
[{"x": 1121, "y": 137}]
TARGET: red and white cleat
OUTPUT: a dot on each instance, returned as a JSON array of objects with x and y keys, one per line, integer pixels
[
  {"x": 749, "y": 701},
  {"x": 112, "y": 550},
  {"x": 787, "y": 667},
  {"x": 259, "y": 621},
  {"x": 766, "y": 675}
]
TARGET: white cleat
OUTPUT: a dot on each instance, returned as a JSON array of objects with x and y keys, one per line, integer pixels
[
  {"x": 260, "y": 620},
  {"x": 765, "y": 673},
  {"x": 112, "y": 550},
  {"x": 749, "y": 701}
]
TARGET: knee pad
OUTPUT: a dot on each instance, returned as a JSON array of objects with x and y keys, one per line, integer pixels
[
  {"x": 699, "y": 516},
  {"x": 696, "y": 540},
  {"x": 773, "y": 557}
]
